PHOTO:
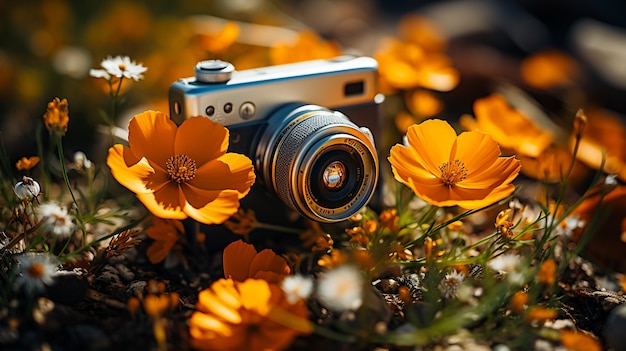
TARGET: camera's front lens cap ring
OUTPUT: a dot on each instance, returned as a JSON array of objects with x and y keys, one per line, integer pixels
[{"x": 214, "y": 71}]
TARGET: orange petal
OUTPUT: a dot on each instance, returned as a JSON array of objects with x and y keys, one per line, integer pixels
[
  {"x": 230, "y": 171},
  {"x": 267, "y": 260},
  {"x": 494, "y": 196},
  {"x": 200, "y": 322},
  {"x": 133, "y": 176},
  {"x": 164, "y": 203},
  {"x": 159, "y": 250},
  {"x": 151, "y": 134},
  {"x": 406, "y": 166},
  {"x": 477, "y": 151},
  {"x": 237, "y": 259},
  {"x": 227, "y": 291},
  {"x": 201, "y": 139},
  {"x": 216, "y": 211},
  {"x": 501, "y": 171},
  {"x": 255, "y": 295},
  {"x": 431, "y": 142}
]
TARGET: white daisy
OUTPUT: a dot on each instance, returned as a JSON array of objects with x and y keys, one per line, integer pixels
[
  {"x": 56, "y": 220},
  {"x": 119, "y": 66},
  {"x": 569, "y": 225},
  {"x": 297, "y": 287},
  {"x": 450, "y": 284},
  {"x": 341, "y": 288},
  {"x": 505, "y": 263},
  {"x": 27, "y": 189},
  {"x": 35, "y": 271}
]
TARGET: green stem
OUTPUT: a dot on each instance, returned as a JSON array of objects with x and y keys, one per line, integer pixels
[{"x": 64, "y": 171}]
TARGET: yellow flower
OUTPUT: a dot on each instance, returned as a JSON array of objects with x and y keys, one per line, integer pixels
[
  {"x": 25, "y": 164},
  {"x": 56, "y": 117},
  {"x": 509, "y": 127},
  {"x": 252, "y": 315},
  {"x": 449, "y": 170},
  {"x": 181, "y": 171},
  {"x": 241, "y": 261},
  {"x": 165, "y": 233}
]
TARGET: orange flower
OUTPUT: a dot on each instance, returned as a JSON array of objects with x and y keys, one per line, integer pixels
[
  {"x": 251, "y": 315},
  {"x": 548, "y": 69},
  {"x": 180, "y": 172},
  {"x": 308, "y": 46},
  {"x": 25, "y": 164},
  {"x": 604, "y": 132},
  {"x": 217, "y": 40},
  {"x": 577, "y": 341},
  {"x": 166, "y": 233},
  {"x": 405, "y": 65},
  {"x": 518, "y": 301},
  {"x": 423, "y": 103},
  {"x": 540, "y": 314},
  {"x": 56, "y": 117},
  {"x": 606, "y": 245},
  {"x": 449, "y": 170},
  {"x": 509, "y": 127},
  {"x": 241, "y": 261},
  {"x": 547, "y": 272}
]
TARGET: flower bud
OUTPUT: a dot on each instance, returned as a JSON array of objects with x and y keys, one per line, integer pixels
[{"x": 27, "y": 189}]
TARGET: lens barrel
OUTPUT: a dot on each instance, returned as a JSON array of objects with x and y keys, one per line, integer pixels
[{"x": 318, "y": 162}]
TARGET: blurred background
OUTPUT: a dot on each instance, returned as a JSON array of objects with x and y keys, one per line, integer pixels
[{"x": 47, "y": 48}]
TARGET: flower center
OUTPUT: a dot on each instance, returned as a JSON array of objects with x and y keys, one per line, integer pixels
[
  {"x": 35, "y": 270},
  {"x": 122, "y": 67},
  {"x": 180, "y": 168},
  {"x": 452, "y": 172}
]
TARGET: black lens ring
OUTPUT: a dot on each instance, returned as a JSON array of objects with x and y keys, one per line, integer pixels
[{"x": 354, "y": 177}]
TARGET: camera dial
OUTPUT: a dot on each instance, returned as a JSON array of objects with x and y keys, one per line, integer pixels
[
  {"x": 317, "y": 161},
  {"x": 214, "y": 71}
]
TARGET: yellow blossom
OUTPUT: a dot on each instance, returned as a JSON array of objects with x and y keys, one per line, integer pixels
[{"x": 56, "y": 117}]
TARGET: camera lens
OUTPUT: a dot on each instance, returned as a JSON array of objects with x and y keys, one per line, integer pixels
[{"x": 318, "y": 162}]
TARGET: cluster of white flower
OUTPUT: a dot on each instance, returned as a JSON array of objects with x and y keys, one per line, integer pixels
[{"x": 119, "y": 66}]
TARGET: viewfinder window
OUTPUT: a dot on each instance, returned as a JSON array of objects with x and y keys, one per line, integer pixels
[{"x": 354, "y": 88}]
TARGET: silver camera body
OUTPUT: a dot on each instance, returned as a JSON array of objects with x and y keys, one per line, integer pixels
[{"x": 307, "y": 127}]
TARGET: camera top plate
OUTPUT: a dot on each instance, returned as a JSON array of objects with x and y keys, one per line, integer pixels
[{"x": 252, "y": 95}]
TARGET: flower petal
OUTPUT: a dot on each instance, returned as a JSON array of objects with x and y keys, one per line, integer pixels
[
  {"x": 218, "y": 210},
  {"x": 255, "y": 295},
  {"x": 127, "y": 170},
  {"x": 477, "y": 151},
  {"x": 212, "y": 302},
  {"x": 229, "y": 171},
  {"x": 431, "y": 143},
  {"x": 201, "y": 139},
  {"x": 406, "y": 166},
  {"x": 151, "y": 134},
  {"x": 267, "y": 260},
  {"x": 237, "y": 259},
  {"x": 502, "y": 171},
  {"x": 164, "y": 203}
]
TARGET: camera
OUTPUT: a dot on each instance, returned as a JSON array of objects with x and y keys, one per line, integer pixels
[{"x": 307, "y": 127}]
